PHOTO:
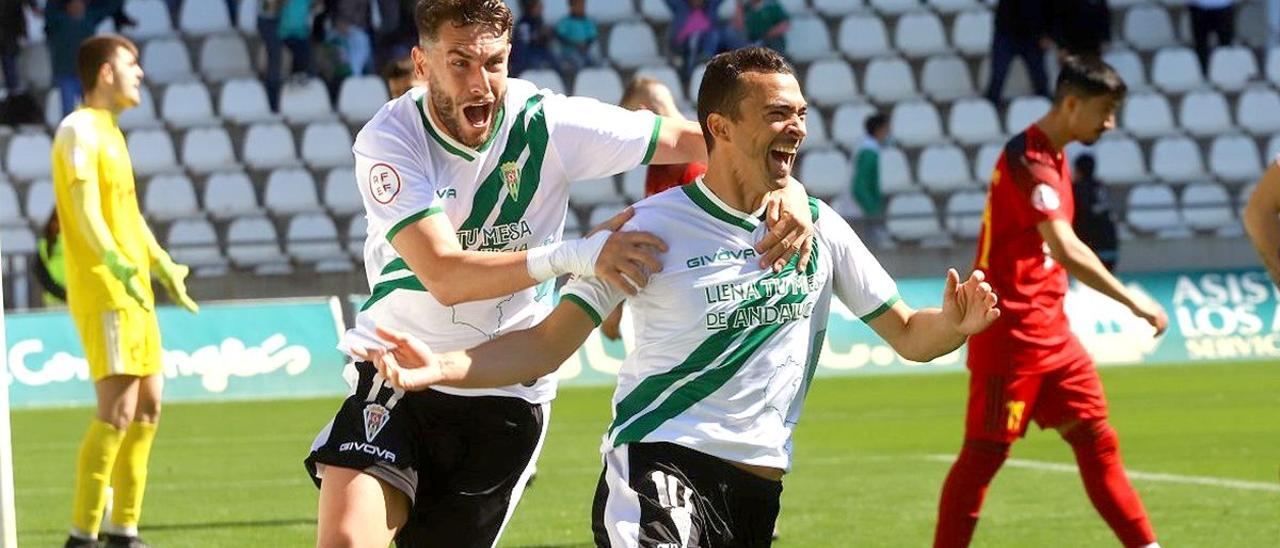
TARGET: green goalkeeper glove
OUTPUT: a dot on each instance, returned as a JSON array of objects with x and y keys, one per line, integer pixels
[
  {"x": 173, "y": 277},
  {"x": 124, "y": 271}
]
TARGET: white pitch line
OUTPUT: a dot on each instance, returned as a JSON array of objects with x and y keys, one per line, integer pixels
[{"x": 1133, "y": 474}]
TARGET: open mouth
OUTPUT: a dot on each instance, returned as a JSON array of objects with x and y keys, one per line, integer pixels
[
  {"x": 478, "y": 114},
  {"x": 783, "y": 156}
]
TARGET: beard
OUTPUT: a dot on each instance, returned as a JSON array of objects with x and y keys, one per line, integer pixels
[{"x": 446, "y": 111}]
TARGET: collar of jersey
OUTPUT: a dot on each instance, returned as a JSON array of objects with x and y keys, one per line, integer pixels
[
  {"x": 451, "y": 145},
  {"x": 712, "y": 204}
]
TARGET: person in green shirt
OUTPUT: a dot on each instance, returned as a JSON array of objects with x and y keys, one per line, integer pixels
[
  {"x": 51, "y": 270},
  {"x": 866, "y": 176},
  {"x": 764, "y": 23}
]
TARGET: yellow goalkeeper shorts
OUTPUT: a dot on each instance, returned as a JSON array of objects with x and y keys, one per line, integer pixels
[{"x": 121, "y": 342}]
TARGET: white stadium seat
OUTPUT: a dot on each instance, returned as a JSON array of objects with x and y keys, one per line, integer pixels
[
  {"x": 360, "y": 98},
  {"x": 546, "y": 79},
  {"x": 290, "y": 191},
  {"x": 357, "y": 232},
  {"x": 816, "y": 131},
  {"x": 152, "y": 152},
  {"x": 203, "y": 18},
  {"x": 28, "y": 155},
  {"x": 1204, "y": 113},
  {"x": 825, "y": 173},
  {"x": 795, "y": 7},
  {"x": 895, "y": 171},
  {"x": 305, "y": 102},
  {"x": 1235, "y": 159},
  {"x": 669, "y": 78},
  {"x": 341, "y": 195},
  {"x": 655, "y": 11},
  {"x": 1177, "y": 160},
  {"x": 1258, "y": 110},
  {"x": 971, "y": 32},
  {"x": 611, "y": 12},
  {"x": 889, "y": 80},
  {"x": 1273, "y": 65},
  {"x": 1232, "y": 67},
  {"x": 952, "y": 6},
  {"x": 984, "y": 162},
  {"x": 1120, "y": 161},
  {"x": 1273, "y": 149},
  {"x": 313, "y": 238},
  {"x": 633, "y": 45},
  {"x": 912, "y": 217},
  {"x": 830, "y": 82},
  {"x": 17, "y": 240},
  {"x": 152, "y": 18},
  {"x": 170, "y": 197},
  {"x": 894, "y": 6},
  {"x": 141, "y": 116},
  {"x": 602, "y": 83},
  {"x": 165, "y": 61},
  {"x": 695, "y": 81},
  {"x": 1176, "y": 70},
  {"x": 836, "y": 8},
  {"x": 946, "y": 78},
  {"x": 1148, "y": 28},
  {"x": 1129, "y": 65},
  {"x": 187, "y": 105},
  {"x": 326, "y": 145},
  {"x": 915, "y": 123},
  {"x": 593, "y": 192},
  {"x": 230, "y": 195},
  {"x": 1023, "y": 112},
  {"x": 224, "y": 57},
  {"x": 244, "y": 101},
  {"x": 35, "y": 66},
  {"x": 633, "y": 184},
  {"x": 252, "y": 242},
  {"x": 1206, "y": 206},
  {"x": 808, "y": 40},
  {"x": 194, "y": 242},
  {"x": 964, "y": 213},
  {"x": 1148, "y": 115},
  {"x": 53, "y": 107},
  {"x": 39, "y": 201},
  {"x": 847, "y": 124},
  {"x": 206, "y": 150},
  {"x": 943, "y": 168},
  {"x": 1153, "y": 208},
  {"x": 920, "y": 35},
  {"x": 267, "y": 146},
  {"x": 974, "y": 121},
  {"x": 863, "y": 36},
  {"x": 10, "y": 214}
]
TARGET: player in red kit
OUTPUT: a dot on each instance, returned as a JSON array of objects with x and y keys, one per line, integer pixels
[{"x": 1028, "y": 365}]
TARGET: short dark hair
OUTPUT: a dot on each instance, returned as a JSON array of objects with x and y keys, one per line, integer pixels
[
  {"x": 1084, "y": 166},
  {"x": 874, "y": 122},
  {"x": 96, "y": 51},
  {"x": 430, "y": 14},
  {"x": 722, "y": 90},
  {"x": 1087, "y": 76}
]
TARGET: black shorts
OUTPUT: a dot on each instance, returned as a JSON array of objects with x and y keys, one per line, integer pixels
[
  {"x": 463, "y": 461},
  {"x": 660, "y": 495}
]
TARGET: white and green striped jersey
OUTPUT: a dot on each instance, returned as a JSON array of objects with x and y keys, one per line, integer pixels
[
  {"x": 511, "y": 193},
  {"x": 725, "y": 350}
]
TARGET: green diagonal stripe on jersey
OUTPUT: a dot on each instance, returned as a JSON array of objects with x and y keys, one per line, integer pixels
[
  {"x": 382, "y": 289},
  {"x": 487, "y": 195},
  {"x": 394, "y": 265},
  {"x": 536, "y": 137}
]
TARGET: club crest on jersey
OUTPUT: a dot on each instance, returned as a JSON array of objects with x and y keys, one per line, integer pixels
[
  {"x": 375, "y": 417},
  {"x": 511, "y": 176}
]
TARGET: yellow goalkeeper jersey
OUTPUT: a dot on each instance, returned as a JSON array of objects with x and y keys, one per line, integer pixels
[{"x": 89, "y": 149}]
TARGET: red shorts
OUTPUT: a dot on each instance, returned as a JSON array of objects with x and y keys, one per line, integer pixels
[{"x": 1001, "y": 404}]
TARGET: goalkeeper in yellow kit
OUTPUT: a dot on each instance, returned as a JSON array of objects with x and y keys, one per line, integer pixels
[{"x": 110, "y": 257}]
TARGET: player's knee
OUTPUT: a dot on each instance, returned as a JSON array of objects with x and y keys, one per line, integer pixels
[
  {"x": 147, "y": 411},
  {"x": 987, "y": 449},
  {"x": 117, "y": 415},
  {"x": 1094, "y": 433}
]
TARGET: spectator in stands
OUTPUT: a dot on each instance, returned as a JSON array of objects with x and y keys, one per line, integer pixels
[
  {"x": 695, "y": 34},
  {"x": 764, "y": 23},
  {"x": 1081, "y": 27},
  {"x": 284, "y": 23},
  {"x": 1021, "y": 30},
  {"x": 394, "y": 31},
  {"x": 50, "y": 269},
  {"x": 120, "y": 19},
  {"x": 531, "y": 41},
  {"x": 348, "y": 34},
  {"x": 1095, "y": 222},
  {"x": 13, "y": 29},
  {"x": 400, "y": 77},
  {"x": 1262, "y": 220},
  {"x": 866, "y": 176},
  {"x": 1216, "y": 17},
  {"x": 578, "y": 38},
  {"x": 67, "y": 24}
]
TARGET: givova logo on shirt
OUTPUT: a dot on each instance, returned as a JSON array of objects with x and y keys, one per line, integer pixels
[{"x": 720, "y": 256}]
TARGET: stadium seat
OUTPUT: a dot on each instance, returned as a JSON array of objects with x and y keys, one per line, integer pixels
[
  {"x": 1018, "y": 82},
  {"x": 1148, "y": 115},
  {"x": 313, "y": 238},
  {"x": 655, "y": 11},
  {"x": 593, "y": 192},
  {"x": 1148, "y": 28},
  {"x": 943, "y": 168},
  {"x": 830, "y": 82},
  {"x": 360, "y": 98},
  {"x": 1023, "y": 112},
  {"x": 152, "y": 18},
  {"x": 964, "y": 213},
  {"x": 546, "y": 79},
  {"x": 1120, "y": 161},
  {"x": 187, "y": 105},
  {"x": 206, "y": 150},
  {"x": 247, "y": 16},
  {"x": 817, "y": 135},
  {"x": 230, "y": 195},
  {"x": 837, "y": 8},
  {"x": 946, "y": 78},
  {"x": 633, "y": 185},
  {"x": 194, "y": 242},
  {"x": 847, "y": 124},
  {"x": 340, "y": 193},
  {"x": 889, "y": 80},
  {"x": 895, "y": 171},
  {"x": 894, "y": 7},
  {"x": 1176, "y": 70},
  {"x": 611, "y": 12},
  {"x": 165, "y": 61},
  {"x": 244, "y": 101},
  {"x": 1235, "y": 159},
  {"x": 204, "y": 18},
  {"x": 326, "y": 145},
  {"x": 952, "y": 6},
  {"x": 17, "y": 240},
  {"x": 919, "y": 35},
  {"x": 863, "y": 36},
  {"x": 253, "y": 242},
  {"x": 268, "y": 146},
  {"x": 28, "y": 155},
  {"x": 974, "y": 121},
  {"x": 1273, "y": 149},
  {"x": 53, "y": 107},
  {"x": 1273, "y": 65},
  {"x": 224, "y": 57},
  {"x": 290, "y": 191},
  {"x": 602, "y": 83},
  {"x": 603, "y": 212},
  {"x": 305, "y": 102},
  {"x": 825, "y": 173},
  {"x": 915, "y": 123},
  {"x": 1177, "y": 160},
  {"x": 1153, "y": 208},
  {"x": 795, "y": 7},
  {"x": 1204, "y": 113},
  {"x": 1258, "y": 110},
  {"x": 152, "y": 152},
  {"x": 633, "y": 45},
  {"x": 1233, "y": 67},
  {"x": 984, "y": 162},
  {"x": 170, "y": 197},
  {"x": 1129, "y": 65},
  {"x": 1206, "y": 206},
  {"x": 357, "y": 232},
  {"x": 971, "y": 32},
  {"x": 695, "y": 81},
  {"x": 552, "y": 10},
  {"x": 912, "y": 217},
  {"x": 669, "y": 78},
  {"x": 141, "y": 116},
  {"x": 10, "y": 214},
  {"x": 39, "y": 204},
  {"x": 808, "y": 40},
  {"x": 35, "y": 66}
]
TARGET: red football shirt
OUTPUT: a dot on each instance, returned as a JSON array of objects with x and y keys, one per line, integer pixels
[
  {"x": 1031, "y": 184},
  {"x": 662, "y": 177}
]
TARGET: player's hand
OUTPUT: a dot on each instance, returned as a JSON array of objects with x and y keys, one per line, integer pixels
[
  {"x": 408, "y": 364},
  {"x": 611, "y": 327},
  {"x": 969, "y": 307},
  {"x": 628, "y": 258},
  {"x": 127, "y": 274},
  {"x": 1152, "y": 313},
  {"x": 790, "y": 227},
  {"x": 173, "y": 277}
]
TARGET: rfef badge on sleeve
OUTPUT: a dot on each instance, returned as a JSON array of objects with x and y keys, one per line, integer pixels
[{"x": 384, "y": 183}]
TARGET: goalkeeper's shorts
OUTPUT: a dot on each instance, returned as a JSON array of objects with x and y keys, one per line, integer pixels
[{"x": 120, "y": 342}]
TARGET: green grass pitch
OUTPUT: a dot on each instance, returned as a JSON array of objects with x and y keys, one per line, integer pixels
[{"x": 871, "y": 453}]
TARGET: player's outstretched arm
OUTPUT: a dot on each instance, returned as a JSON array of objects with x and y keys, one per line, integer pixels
[
  {"x": 1081, "y": 262},
  {"x": 515, "y": 357},
  {"x": 679, "y": 142},
  {"x": 922, "y": 335},
  {"x": 1262, "y": 220}
]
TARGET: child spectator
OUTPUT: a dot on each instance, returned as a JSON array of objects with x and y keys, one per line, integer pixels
[
  {"x": 578, "y": 38},
  {"x": 531, "y": 40}
]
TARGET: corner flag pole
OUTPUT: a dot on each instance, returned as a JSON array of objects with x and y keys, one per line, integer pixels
[{"x": 8, "y": 517}]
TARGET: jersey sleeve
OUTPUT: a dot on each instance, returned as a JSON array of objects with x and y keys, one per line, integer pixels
[
  {"x": 1039, "y": 187},
  {"x": 393, "y": 180},
  {"x": 860, "y": 282},
  {"x": 78, "y": 144},
  {"x": 594, "y": 295},
  {"x": 595, "y": 139}
]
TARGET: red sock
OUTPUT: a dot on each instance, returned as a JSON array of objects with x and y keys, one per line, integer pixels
[
  {"x": 1098, "y": 454},
  {"x": 964, "y": 490}
]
